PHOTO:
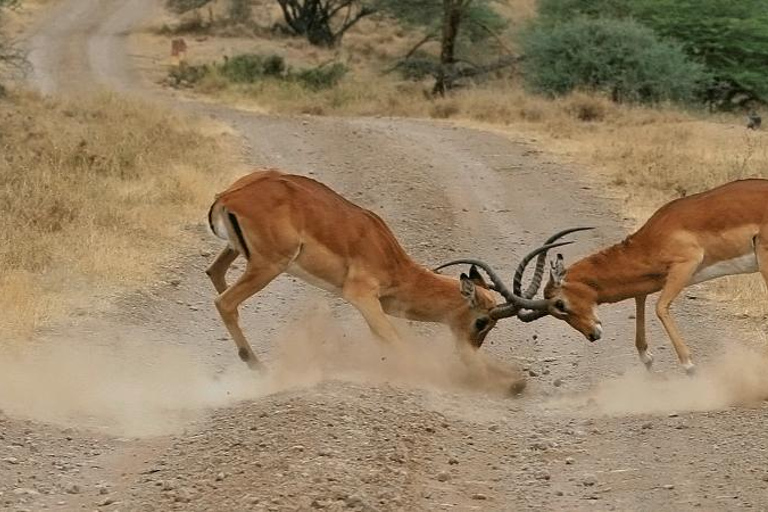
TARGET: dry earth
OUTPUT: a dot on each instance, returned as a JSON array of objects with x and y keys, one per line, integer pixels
[{"x": 145, "y": 407}]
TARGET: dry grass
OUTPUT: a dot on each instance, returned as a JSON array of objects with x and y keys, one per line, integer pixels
[{"x": 93, "y": 194}]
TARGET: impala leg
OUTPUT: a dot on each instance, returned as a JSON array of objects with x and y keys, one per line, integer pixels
[
  {"x": 218, "y": 269},
  {"x": 258, "y": 275},
  {"x": 365, "y": 299},
  {"x": 640, "y": 340},
  {"x": 761, "y": 252},
  {"x": 678, "y": 278}
]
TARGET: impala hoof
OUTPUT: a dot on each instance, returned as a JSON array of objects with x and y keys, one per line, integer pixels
[
  {"x": 690, "y": 369},
  {"x": 518, "y": 386},
  {"x": 647, "y": 359}
]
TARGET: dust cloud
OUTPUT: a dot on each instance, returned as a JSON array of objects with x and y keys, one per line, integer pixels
[
  {"x": 736, "y": 376},
  {"x": 137, "y": 388}
]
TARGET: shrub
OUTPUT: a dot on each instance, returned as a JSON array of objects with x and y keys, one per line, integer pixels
[
  {"x": 250, "y": 67},
  {"x": 730, "y": 38},
  {"x": 321, "y": 77},
  {"x": 621, "y": 58}
]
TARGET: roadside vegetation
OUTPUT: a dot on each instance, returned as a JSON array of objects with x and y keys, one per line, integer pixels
[{"x": 94, "y": 194}]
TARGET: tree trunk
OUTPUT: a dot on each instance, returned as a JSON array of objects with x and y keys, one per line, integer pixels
[{"x": 453, "y": 11}]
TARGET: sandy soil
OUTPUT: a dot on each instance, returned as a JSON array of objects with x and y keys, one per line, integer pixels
[{"x": 146, "y": 407}]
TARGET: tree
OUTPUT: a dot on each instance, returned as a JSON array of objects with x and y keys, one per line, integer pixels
[
  {"x": 730, "y": 37},
  {"x": 323, "y": 22},
  {"x": 621, "y": 58}
]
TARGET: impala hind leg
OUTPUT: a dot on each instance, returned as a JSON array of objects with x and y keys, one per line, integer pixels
[
  {"x": 218, "y": 269},
  {"x": 257, "y": 275},
  {"x": 640, "y": 340},
  {"x": 678, "y": 278},
  {"x": 761, "y": 252}
]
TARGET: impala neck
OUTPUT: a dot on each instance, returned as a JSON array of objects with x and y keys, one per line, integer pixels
[
  {"x": 620, "y": 272},
  {"x": 425, "y": 296}
]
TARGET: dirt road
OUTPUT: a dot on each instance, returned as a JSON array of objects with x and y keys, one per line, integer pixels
[{"x": 147, "y": 408}]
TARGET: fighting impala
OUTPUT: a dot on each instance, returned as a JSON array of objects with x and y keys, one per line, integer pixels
[
  {"x": 284, "y": 223},
  {"x": 720, "y": 232}
]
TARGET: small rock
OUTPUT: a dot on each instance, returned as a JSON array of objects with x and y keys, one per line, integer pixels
[
  {"x": 557, "y": 382},
  {"x": 11, "y": 460},
  {"x": 167, "y": 485},
  {"x": 298, "y": 448},
  {"x": 647, "y": 425},
  {"x": 174, "y": 282},
  {"x": 673, "y": 415},
  {"x": 353, "y": 500},
  {"x": 443, "y": 476},
  {"x": 569, "y": 460},
  {"x": 532, "y": 373},
  {"x": 668, "y": 487},
  {"x": 73, "y": 489},
  {"x": 589, "y": 480},
  {"x": 205, "y": 253},
  {"x": 479, "y": 496},
  {"x": 453, "y": 461},
  {"x": 542, "y": 475},
  {"x": 220, "y": 477},
  {"x": 106, "y": 501}
]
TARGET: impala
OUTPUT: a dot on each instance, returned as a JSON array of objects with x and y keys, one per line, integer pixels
[
  {"x": 720, "y": 232},
  {"x": 284, "y": 223}
]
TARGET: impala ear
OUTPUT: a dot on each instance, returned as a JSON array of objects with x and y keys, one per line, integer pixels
[
  {"x": 468, "y": 289},
  {"x": 557, "y": 270},
  {"x": 477, "y": 278}
]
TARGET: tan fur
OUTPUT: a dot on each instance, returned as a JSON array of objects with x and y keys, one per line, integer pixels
[
  {"x": 688, "y": 240},
  {"x": 297, "y": 225}
]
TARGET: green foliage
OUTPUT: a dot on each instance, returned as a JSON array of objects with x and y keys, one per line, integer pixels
[
  {"x": 249, "y": 68},
  {"x": 480, "y": 19},
  {"x": 321, "y": 77},
  {"x": 730, "y": 37},
  {"x": 418, "y": 67},
  {"x": 619, "y": 57}
]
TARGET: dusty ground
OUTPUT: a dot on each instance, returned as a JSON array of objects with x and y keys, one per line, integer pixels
[{"x": 146, "y": 407}]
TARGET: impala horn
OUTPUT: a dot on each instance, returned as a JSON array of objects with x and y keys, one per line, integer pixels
[
  {"x": 533, "y": 288},
  {"x": 514, "y": 302}
]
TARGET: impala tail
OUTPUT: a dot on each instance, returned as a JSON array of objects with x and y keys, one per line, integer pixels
[{"x": 224, "y": 224}]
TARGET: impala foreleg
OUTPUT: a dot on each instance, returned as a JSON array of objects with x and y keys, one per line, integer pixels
[
  {"x": 640, "y": 340},
  {"x": 366, "y": 300},
  {"x": 761, "y": 252},
  {"x": 218, "y": 269},
  {"x": 678, "y": 278},
  {"x": 257, "y": 275}
]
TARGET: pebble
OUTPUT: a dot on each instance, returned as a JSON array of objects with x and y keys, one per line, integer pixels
[
  {"x": 106, "y": 501},
  {"x": 569, "y": 460},
  {"x": 542, "y": 475},
  {"x": 479, "y": 496},
  {"x": 443, "y": 476},
  {"x": 73, "y": 489},
  {"x": 589, "y": 480},
  {"x": 453, "y": 461},
  {"x": 668, "y": 487},
  {"x": 558, "y": 382}
]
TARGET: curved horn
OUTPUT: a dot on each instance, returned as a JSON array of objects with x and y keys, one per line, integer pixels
[
  {"x": 513, "y": 300},
  {"x": 530, "y": 316},
  {"x": 540, "y": 261}
]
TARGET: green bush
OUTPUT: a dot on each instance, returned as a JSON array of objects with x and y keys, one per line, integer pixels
[
  {"x": 321, "y": 77},
  {"x": 729, "y": 37},
  {"x": 619, "y": 57},
  {"x": 250, "y": 67}
]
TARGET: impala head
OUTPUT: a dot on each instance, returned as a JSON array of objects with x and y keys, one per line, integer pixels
[
  {"x": 573, "y": 302},
  {"x": 475, "y": 321}
]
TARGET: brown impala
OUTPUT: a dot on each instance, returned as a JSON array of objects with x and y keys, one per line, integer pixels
[
  {"x": 284, "y": 223},
  {"x": 716, "y": 233}
]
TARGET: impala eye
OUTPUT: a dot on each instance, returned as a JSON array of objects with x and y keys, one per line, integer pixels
[{"x": 481, "y": 323}]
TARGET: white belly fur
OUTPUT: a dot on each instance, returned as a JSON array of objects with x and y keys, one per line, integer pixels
[
  {"x": 742, "y": 265},
  {"x": 296, "y": 270}
]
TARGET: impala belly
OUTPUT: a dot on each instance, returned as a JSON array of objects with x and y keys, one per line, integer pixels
[
  {"x": 745, "y": 264},
  {"x": 297, "y": 270}
]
